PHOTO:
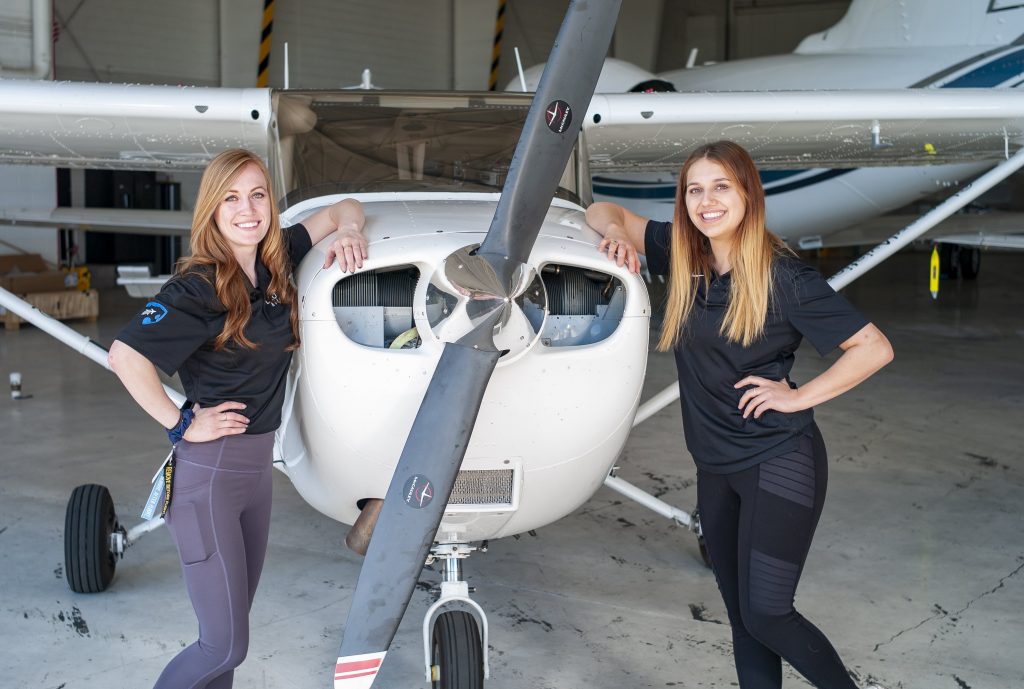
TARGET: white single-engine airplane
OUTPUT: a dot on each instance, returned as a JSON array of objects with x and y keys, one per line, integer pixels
[
  {"x": 482, "y": 328},
  {"x": 878, "y": 44}
]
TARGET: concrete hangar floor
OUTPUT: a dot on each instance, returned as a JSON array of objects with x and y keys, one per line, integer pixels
[{"x": 916, "y": 572}]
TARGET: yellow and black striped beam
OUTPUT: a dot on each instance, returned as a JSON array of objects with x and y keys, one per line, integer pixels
[
  {"x": 268, "y": 29},
  {"x": 499, "y": 26}
]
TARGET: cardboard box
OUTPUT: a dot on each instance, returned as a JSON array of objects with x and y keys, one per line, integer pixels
[
  {"x": 24, "y": 273},
  {"x": 65, "y": 304}
]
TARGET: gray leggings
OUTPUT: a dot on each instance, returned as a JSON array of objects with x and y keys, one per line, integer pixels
[{"x": 219, "y": 518}]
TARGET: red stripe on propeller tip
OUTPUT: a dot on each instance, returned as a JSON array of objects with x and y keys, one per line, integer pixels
[
  {"x": 353, "y": 666},
  {"x": 361, "y": 674}
]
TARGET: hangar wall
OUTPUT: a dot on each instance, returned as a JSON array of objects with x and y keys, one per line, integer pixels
[{"x": 427, "y": 44}]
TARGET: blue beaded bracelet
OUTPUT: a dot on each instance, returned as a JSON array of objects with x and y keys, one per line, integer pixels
[{"x": 184, "y": 421}]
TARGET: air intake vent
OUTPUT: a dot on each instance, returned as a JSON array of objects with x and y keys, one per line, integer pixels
[
  {"x": 573, "y": 291},
  {"x": 391, "y": 288},
  {"x": 483, "y": 487}
]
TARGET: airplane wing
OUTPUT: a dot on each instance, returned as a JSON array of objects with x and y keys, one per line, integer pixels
[
  {"x": 116, "y": 126},
  {"x": 130, "y": 220},
  {"x": 984, "y": 241},
  {"x": 125, "y": 127},
  {"x": 806, "y": 129}
]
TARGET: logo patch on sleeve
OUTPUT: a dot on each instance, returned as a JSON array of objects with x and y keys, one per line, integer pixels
[{"x": 153, "y": 313}]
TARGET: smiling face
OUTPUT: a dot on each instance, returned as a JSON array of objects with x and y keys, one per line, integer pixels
[
  {"x": 243, "y": 214},
  {"x": 714, "y": 201}
]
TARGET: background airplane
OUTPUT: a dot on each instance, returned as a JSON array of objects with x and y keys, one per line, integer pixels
[{"x": 877, "y": 45}]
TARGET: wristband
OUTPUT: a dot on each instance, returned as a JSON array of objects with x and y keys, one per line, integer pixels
[{"x": 184, "y": 421}]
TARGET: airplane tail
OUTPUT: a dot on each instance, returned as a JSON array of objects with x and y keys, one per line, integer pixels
[{"x": 882, "y": 24}]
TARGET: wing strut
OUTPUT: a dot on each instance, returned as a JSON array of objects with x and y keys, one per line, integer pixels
[
  {"x": 927, "y": 221},
  {"x": 78, "y": 342}
]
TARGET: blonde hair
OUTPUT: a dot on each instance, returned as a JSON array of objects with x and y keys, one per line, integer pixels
[
  {"x": 211, "y": 249},
  {"x": 751, "y": 255}
]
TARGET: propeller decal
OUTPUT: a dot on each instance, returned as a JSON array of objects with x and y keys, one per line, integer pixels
[{"x": 559, "y": 116}]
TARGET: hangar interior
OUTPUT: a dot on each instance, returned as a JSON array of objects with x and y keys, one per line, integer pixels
[{"x": 916, "y": 572}]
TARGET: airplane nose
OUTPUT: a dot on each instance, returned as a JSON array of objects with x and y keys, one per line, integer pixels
[{"x": 475, "y": 295}]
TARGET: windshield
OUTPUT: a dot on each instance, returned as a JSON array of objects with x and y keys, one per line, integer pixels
[{"x": 333, "y": 142}]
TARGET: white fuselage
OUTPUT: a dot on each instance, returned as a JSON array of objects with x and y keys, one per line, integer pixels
[
  {"x": 877, "y": 45},
  {"x": 555, "y": 415}
]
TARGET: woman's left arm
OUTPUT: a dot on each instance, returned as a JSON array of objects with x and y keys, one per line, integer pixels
[
  {"x": 865, "y": 352},
  {"x": 347, "y": 219}
]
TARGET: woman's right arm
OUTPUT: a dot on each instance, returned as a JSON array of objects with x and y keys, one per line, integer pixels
[
  {"x": 622, "y": 231},
  {"x": 142, "y": 381}
]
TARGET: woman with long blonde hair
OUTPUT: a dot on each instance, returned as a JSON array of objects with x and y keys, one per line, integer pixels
[
  {"x": 739, "y": 303},
  {"x": 227, "y": 323}
]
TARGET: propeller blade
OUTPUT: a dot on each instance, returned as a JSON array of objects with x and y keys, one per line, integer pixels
[
  {"x": 412, "y": 510},
  {"x": 481, "y": 290},
  {"x": 550, "y": 131}
]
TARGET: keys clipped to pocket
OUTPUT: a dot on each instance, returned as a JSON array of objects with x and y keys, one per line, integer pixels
[{"x": 160, "y": 494}]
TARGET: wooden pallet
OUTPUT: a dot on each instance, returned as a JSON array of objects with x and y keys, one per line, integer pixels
[{"x": 64, "y": 305}]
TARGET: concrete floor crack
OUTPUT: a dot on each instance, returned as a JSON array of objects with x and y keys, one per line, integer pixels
[
  {"x": 939, "y": 613},
  {"x": 995, "y": 588}
]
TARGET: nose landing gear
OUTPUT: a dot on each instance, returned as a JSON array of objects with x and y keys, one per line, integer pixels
[{"x": 455, "y": 641}]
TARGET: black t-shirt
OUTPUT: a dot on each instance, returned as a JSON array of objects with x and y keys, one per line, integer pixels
[
  {"x": 177, "y": 328},
  {"x": 804, "y": 305}
]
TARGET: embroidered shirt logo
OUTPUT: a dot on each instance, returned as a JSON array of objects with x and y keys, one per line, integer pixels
[{"x": 153, "y": 313}]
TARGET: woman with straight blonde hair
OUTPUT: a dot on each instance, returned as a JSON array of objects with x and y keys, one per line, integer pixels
[
  {"x": 227, "y": 323},
  {"x": 739, "y": 304}
]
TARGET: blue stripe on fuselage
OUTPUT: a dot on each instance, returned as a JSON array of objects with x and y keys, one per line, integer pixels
[
  {"x": 992, "y": 73},
  {"x": 626, "y": 189}
]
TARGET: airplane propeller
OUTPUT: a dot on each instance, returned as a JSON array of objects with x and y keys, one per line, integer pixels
[{"x": 483, "y": 291}]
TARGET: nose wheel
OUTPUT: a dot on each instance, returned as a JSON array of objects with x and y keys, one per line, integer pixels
[
  {"x": 456, "y": 659},
  {"x": 455, "y": 640}
]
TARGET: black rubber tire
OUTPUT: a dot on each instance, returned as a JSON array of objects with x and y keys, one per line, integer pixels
[
  {"x": 701, "y": 544},
  {"x": 90, "y": 519},
  {"x": 703, "y": 547},
  {"x": 455, "y": 652},
  {"x": 949, "y": 261},
  {"x": 970, "y": 262}
]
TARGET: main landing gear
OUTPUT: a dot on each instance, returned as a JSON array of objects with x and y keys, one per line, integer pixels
[
  {"x": 94, "y": 540},
  {"x": 691, "y": 520},
  {"x": 957, "y": 259}
]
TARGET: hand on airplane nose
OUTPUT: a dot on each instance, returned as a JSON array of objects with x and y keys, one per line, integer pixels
[
  {"x": 622, "y": 251},
  {"x": 349, "y": 247}
]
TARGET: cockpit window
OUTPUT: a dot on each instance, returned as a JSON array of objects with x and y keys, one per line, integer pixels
[{"x": 350, "y": 142}]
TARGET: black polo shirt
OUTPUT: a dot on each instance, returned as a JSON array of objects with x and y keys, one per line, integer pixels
[
  {"x": 804, "y": 305},
  {"x": 177, "y": 328}
]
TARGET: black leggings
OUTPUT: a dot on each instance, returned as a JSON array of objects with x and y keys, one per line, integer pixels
[{"x": 758, "y": 524}]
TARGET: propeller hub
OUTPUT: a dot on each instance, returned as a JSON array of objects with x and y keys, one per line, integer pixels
[{"x": 468, "y": 303}]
